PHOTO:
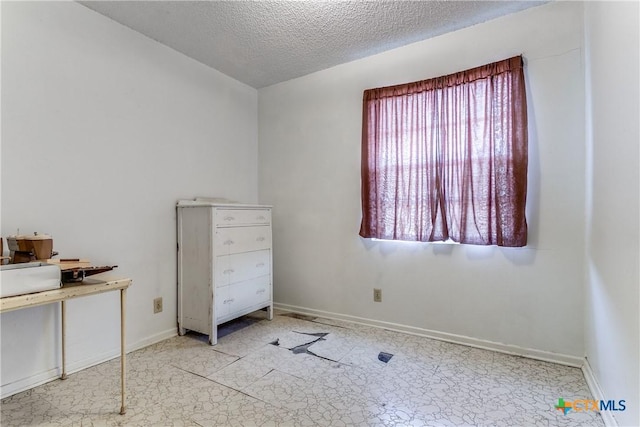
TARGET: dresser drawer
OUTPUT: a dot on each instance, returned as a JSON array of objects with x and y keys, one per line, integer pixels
[
  {"x": 241, "y": 296},
  {"x": 240, "y": 217},
  {"x": 223, "y": 302},
  {"x": 250, "y": 293},
  {"x": 243, "y": 266},
  {"x": 242, "y": 239},
  {"x": 259, "y": 291}
]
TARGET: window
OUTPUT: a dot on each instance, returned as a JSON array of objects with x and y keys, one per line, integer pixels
[{"x": 446, "y": 158}]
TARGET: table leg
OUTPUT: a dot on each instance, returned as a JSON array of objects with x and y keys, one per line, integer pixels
[
  {"x": 123, "y": 355},
  {"x": 64, "y": 336}
]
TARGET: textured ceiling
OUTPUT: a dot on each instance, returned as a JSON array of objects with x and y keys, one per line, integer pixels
[{"x": 265, "y": 42}]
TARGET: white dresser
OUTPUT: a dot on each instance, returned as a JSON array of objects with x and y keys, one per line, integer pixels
[{"x": 224, "y": 264}]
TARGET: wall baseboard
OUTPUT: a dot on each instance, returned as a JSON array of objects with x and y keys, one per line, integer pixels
[
  {"x": 146, "y": 342},
  {"x": 563, "y": 359},
  {"x": 607, "y": 417},
  {"x": 23, "y": 384},
  {"x": 26, "y": 383}
]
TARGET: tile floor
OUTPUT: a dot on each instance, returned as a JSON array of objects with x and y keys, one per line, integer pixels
[{"x": 308, "y": 379}]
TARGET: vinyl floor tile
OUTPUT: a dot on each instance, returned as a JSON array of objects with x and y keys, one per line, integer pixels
[{"x": 337, "y": 381}]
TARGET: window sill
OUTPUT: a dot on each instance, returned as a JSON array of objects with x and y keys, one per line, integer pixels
[{"x": 445, "y": 242}]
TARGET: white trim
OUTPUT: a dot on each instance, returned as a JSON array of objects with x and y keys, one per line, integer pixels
[
  {"x": 23, "y": 384},
  {"x": 531, "y": 353},
  {"x": 146, "y": 342},
  {"x": 594, "y": 387}
]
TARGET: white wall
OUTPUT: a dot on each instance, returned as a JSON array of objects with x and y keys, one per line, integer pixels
[
  {"x": 309, "y": 158},
  {"x": 612, "y": 326},
  {"x": 102, "y": 131}
]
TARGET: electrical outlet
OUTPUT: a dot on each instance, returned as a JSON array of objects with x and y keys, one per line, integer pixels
[
  {"x": 157, "y": 305},
  {"x": 377, "y": 295}
]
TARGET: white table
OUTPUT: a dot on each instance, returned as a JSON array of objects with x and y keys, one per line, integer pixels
[{"x": 89, "y": 286}]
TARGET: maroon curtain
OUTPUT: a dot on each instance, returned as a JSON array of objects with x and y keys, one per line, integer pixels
[{"x": 446, "y": 158}]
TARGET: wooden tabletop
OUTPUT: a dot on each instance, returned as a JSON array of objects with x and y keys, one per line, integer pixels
[{"x": 90, "y": 286}]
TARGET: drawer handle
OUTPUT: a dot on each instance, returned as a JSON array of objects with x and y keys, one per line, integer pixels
[
  {"x": 260, "y": 239},
  {"x": 261, "y": 218},
  {"x": 228, "y": 242},
  {"x": 228, "y": 271},
  {"x": 261, "y": 291},
  {"x": 228, "y": 301},
  {"x": 229, "y": 218},
  {"x": 260, "y": 264}
]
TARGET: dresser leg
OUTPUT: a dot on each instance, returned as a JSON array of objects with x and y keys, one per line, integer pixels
[
  {"x": 270, "y": 312},
  {"x": 213, "y": 336}
]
